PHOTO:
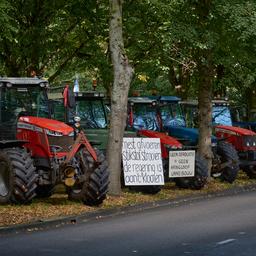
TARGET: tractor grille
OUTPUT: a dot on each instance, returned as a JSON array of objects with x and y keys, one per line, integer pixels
[
  {"x": 249, "y": 141},
  {"x": 60, "y": 143}
]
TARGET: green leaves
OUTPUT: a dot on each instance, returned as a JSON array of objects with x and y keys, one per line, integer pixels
[{"x": 164, "y": 39}]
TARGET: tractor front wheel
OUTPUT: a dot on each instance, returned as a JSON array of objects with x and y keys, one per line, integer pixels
[
  {"x": 228, "y": 157},
  {"x": 18, "y": 178},
  {"x": 93, "y": 190},
  {"x": 199, "y": 180}
]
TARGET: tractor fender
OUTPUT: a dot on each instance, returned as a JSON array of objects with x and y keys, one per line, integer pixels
[
  {"x": 232, "y": 130},
  {"x": 35, "y": 123},
  {"x": 246, "y": 125},
  {"x": 185, "y": 134},
  {"x": 164, "y": 139},
  {"x": 12, "y": 143}
]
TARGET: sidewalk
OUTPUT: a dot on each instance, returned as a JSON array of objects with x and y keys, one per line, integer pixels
[{"x": 110, "y": 213}]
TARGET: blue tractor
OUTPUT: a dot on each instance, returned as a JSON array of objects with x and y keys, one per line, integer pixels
[{"x": 182, "y": 125}]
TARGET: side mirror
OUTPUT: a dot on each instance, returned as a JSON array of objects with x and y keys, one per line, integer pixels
[
  {"x": 69, "y": 97},
  {"x": 51, "y": 107}
]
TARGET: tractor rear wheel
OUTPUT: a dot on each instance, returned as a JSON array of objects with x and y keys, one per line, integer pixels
[
  {"x": 93, "y": 190},
  {"x": 5, "y": 178},
  {"x": 199, "y": 180},
  {"x": 228, "y": 156},
  {"x": 18, "y": 179}
]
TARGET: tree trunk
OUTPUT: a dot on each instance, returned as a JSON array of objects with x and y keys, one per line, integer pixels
[
  {"x": 205, "y": 111},
  {"x": 123, "y": 73},
  {"x": 206, "y": 76}
]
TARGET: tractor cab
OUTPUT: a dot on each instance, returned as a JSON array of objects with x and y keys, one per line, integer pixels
[
  {"x": 155, "y": 113},
  {"x": 92, "y": 111},
  {"x": 89, "y": 106},
  {"x": 171, "y": 111},
  {"x": 221, "y": 114},
  {"x": 142, "y": 114},
  {"x": 179, "y": 123},
  {"x": 21, "y": 97}
]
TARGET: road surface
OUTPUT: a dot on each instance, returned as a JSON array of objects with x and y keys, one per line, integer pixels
[{"x": 213, "y": 227}]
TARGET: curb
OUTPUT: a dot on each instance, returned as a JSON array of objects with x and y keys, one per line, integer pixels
[{"x": 101, "y": 214}]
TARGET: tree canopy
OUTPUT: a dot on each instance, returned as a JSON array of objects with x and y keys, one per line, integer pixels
[{"x": 58, "y": 39}]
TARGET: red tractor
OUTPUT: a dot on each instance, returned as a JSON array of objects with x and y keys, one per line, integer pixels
[
  {"x": 243, "y": 140},
  {"x": 36, "y": 153}
]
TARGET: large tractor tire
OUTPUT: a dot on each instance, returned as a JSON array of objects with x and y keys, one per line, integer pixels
[
  {"x": 18, "y": 178},
  {"x": 229, "y": 157},
  {"x": 199, "y": 180},
  {"x": 93, "y": 190}
]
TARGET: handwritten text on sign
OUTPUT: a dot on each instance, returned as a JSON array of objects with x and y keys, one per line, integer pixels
[
  {"x": 181, "y": 163},
  {"x": 142, "y": 161}
]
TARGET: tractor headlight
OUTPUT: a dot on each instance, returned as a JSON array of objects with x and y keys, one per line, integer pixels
[
  {"x": 53, "y": 133},
  {"x": 249, "y": 141},
  {"x": 173, "y": 147},
  {"x": 77, "y": 119},
  {"x": 77, "y": 125},
  {"x": 214, "y": 144}
]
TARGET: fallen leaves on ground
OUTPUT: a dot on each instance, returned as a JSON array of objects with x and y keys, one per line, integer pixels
[{"x": 59, "y": 205}]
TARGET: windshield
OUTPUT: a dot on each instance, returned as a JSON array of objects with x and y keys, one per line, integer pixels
[
  {"x": 172, "y": 115},
  {"x": 16, "y": 102},
  {"x": 191, "y": 115},
  {"x": 221, "y": 115},
  {"x": 92, "y": 113},
  {"x": 145, "y": 117}
]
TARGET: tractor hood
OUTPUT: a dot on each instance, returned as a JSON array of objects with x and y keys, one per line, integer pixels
[
  {"x": 164, "y": 139},
  {"x": 188, "y": 135},
  {"x": 234, "y": 130},
  {"x": 246, "y": 125},
  {"x": 49, "y": 124}
]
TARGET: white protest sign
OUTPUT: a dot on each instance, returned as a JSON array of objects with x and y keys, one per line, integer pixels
[
  {"x": 182, "y": 163},
  {"x": 142, "y": 161}
]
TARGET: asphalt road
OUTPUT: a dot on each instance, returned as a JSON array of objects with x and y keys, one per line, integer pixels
[{"x": 216, "y": 226}]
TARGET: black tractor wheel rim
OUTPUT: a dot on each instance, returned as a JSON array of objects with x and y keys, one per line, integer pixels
[{"x": 4, "y": 179}]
